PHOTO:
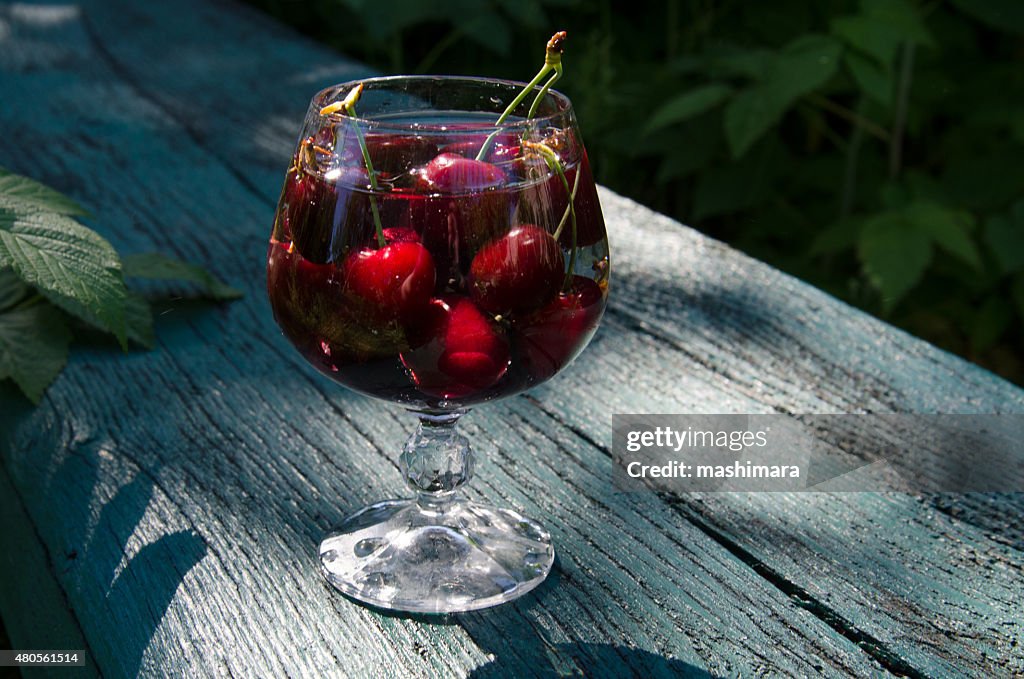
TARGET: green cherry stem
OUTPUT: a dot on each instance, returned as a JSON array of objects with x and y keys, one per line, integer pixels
[
  {"x": 544, "y": 90},
  {"x": 555, "y": 47},
  {"x": 552, "y": 62},
  {"x": 569, "y": 207},
  {"x": 555, "y": 164},
  {"x": 348, "y": 106}
]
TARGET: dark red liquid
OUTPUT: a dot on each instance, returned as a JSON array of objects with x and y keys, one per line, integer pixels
[{"x": 469, "y": 298}]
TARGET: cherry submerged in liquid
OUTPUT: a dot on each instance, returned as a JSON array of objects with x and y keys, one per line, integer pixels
[{"x": 467, "y": 299}]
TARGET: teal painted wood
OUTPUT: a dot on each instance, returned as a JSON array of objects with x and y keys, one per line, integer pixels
[{"x": 192, "y": 482}]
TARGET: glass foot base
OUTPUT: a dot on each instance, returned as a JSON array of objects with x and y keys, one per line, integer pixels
[{"x": 405, "y": 557}]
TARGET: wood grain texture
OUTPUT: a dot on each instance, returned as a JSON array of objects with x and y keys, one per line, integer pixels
[{"x": 193, "y": 482}]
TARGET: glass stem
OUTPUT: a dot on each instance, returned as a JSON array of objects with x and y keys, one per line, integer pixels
[{"x": 437, "y": 461}]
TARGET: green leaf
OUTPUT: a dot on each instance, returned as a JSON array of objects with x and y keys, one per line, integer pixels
[
  {"x": 74, "y": 267},
  {"x": 31, "y": 194},
  {"x": 1002, "y": 15},
  {"x": 894, "y": 255},
  {"x": 12, "y": 289},
  {"x": 1005, "y": 238},
  {"x": 948, "y": 229},
  {"x": 881, "y": 27},
  {"x": 688, "y": 105},
  {"x": 138, "y": 317},
  {"x": 875, "y": 82},
  {"x": 749, "y": 115},
  {"x": 157, "y": 266},
  {"x": 34, "y": 341},
  {"x": 804, "y": 64},
  {"x": 800, "y": 67}
]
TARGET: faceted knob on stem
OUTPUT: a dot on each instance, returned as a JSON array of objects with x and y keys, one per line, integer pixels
[{"x": 437, "y": 460}]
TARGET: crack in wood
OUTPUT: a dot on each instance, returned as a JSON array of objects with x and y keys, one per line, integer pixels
[{"x": 874, "y": 647}]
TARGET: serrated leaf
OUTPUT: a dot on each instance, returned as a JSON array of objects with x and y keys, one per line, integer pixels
[
  {"x": 74, "y": 267},
  {"x": 34, "y": 341},
  {"x": 800, "y": 67},
  {"x": 1002, "y": 15},
  {"x": 688, "y": 105},
  {"x": 948, "y": 229},
  {"x": 875, "y": 82},
  {"x": 30, "y": 194},
  {"x": 894, "y": 255},
  {"x": 138, "y": 320},
  {"x": 157, "y": 266},
  {"x": 1005, "y": 239},
  {"x": 12, "y": 289}
]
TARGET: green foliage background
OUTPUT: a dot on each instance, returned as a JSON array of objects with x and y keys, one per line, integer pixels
[{"x": 872, "y": 148}]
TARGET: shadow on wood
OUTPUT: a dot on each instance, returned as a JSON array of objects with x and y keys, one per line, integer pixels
[{"x": 115, "y": 559}]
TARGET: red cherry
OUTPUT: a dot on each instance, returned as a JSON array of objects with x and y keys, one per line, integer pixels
[
  {"x": 395, "y": 154},
  {"x": 517, "y": 272},
  {"x": 389, "y": 283},
  {"x": 462, "y": 350},
  {"x": 451, "y": 173},
  {"x": 455, "y": 226},
  {"x": 505, "y": 146},
  {"x": 401, "y": 234},
  {"x": 550, "y": 338}
]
